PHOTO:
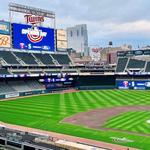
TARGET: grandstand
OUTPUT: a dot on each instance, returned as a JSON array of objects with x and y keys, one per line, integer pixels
[
  {"x": 20, "y": 86},
  {"x": 136, "y": 62},
  {"x": 16, "y": 62}
]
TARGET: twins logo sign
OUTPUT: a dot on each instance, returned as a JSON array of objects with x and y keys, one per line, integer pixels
[{"x": 33, "y": 37}]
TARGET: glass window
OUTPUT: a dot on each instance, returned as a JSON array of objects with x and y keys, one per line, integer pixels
[
  {"x": 82, "y": 31},
  {"x": 71, "y": 33},
  {"x": 77, "y": 32}
]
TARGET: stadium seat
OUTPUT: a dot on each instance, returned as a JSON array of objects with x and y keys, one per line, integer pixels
[
  {"x": 122, "y": 62},
  {"x": 44, "y": 58},
  {"x": 62, "y": 59},
  {"x": 5, "y": 88},
  {"x": 136, "y": 64},
  {"x": 147, "y": 67},
  {"x": 9, "y": 58},
  {"x": 26, "y": 57},
  {"x": 34, "y": 85},
  {"x": 4, "y": 71}
]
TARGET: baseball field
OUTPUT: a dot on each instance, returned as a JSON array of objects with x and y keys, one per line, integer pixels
[{"x": 115, "y": 116}]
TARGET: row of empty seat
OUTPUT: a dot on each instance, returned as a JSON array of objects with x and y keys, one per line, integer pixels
[
  {"x": 5, "y": 88},
  {"x": 20, "y": 86},
  {"x": 125, "y": 64},
  {"x": 148, "y": 67},
  {"x": 4, "y": 71},
  {"x": 36, "y": 59},
  {"x": 136, "y": 64}
]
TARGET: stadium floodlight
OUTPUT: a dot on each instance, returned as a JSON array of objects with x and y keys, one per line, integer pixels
[{"x": 30, "y": 10}]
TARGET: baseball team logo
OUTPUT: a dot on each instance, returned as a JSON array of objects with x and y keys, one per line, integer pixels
[
  {"x": 34, "y": 34},
  {"x": 32, "y": 19},
  {"x": 125, "y": 83}
]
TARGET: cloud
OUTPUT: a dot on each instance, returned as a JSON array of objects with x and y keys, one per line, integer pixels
[{"x": 126, "y": 20}]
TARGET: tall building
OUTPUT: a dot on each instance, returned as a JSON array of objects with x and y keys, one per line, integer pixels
[{"x": 78, "y": 39}]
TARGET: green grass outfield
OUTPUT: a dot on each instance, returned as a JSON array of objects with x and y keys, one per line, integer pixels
[
  {"x": 46, "y": 111},
  {"x": 135, "y": 121}
]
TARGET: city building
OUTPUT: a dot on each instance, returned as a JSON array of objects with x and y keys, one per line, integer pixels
[
  {"x": 109, "y": 54},
  {"x": 78, "y": 39}
]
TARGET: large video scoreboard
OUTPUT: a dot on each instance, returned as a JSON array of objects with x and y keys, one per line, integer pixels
[{"x": 33, "y": 37}]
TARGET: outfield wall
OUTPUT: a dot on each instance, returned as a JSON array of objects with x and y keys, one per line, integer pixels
[
  {"x": 89, "y": 82},
  {"x": 96, "y": 82}
]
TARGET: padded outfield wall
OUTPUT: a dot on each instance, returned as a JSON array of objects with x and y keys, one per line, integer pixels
[
  {"x": 140, "y": 82},
  {"x": 96, "y": 82}
]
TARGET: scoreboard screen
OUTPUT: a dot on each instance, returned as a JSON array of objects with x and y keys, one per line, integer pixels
[{"x": 33, "y": 38}]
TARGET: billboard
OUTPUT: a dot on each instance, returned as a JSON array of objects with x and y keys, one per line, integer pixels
[
  {"x": 136, "y": 85},
  {"x": 4, "y": 27},
  {"x": 61, "y": 39},
  {"x": 33, "y": 37},
  {"x": 4, "y": 40}
]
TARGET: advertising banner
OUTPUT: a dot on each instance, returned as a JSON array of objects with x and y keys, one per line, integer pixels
[
  {"x": 33, "y": 37},
  {"x": 15, "y": 94},
  {"x": 61, "y": 39},
  {"x": 61, "y": 44},
  {"x": 137, "y": 85},
  {"x": 4, "y": 27},
  {"x": 4, "y": 40}
]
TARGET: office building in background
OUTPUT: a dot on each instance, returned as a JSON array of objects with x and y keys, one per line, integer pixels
[{"x": 78, "y": 39}]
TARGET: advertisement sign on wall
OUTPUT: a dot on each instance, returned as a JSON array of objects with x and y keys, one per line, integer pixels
[
  {"x": 15, "y": 94},
  {"x": 61, "y": 39},
  {"x": 4, "y": 27},
  {"x": 137, "y": 85},
  {"x": 33, "y": 37},
  {"x": 4, "y": 40}
]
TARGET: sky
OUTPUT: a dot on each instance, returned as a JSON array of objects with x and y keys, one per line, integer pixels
[{"x": 120, "y": 21}]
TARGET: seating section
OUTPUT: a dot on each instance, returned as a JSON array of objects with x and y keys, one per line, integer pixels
[
  {"x": 132, "y": 64},
  {"x": 62, "y": 59},
  {"x": 26, "y": 57},
  {"x": 136, "y": 64},
  {"x": 44, "y": 58},
  {"x": 5, "y": 88},
  {"x": 52, "y": 71},
  {"x": 122, "y": 62},
  {"x": 17, "y": 72},
  {"x": 36, "y": 72},
  {"x": 34, "y": 85},
  {"x": 19, "y": 86},
  {"x": 26, "y": 86},
  {"x": 9, "y": 58},
  {"x": 4, "y": 71},
  {"x": 69, "y": 71},
  {"x": 147, "y": 67},
  {"x": 33, "y": 59}
]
